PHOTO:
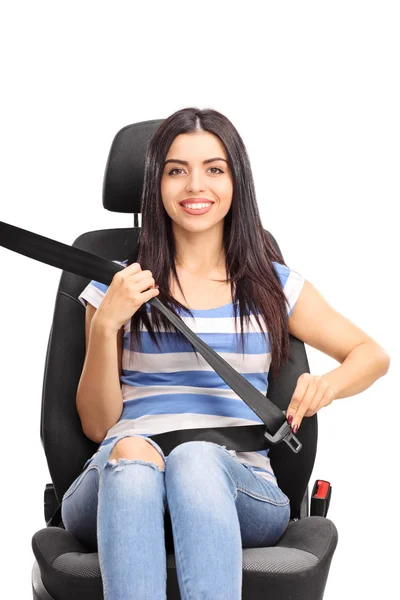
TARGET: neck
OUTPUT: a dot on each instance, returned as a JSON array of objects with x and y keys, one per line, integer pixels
[{"x": 200, "y": 253}]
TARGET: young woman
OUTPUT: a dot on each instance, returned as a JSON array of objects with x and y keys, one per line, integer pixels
[{"x": 208, "y": 252}]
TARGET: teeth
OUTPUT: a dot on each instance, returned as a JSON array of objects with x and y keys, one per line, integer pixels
[{"x": 198, "y": 205}]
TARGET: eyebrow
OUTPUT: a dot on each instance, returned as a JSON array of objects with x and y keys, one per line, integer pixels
[{"x": 184, "y": 162}]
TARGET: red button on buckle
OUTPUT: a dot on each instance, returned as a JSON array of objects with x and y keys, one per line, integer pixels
[{"x": 320, "y": 498}]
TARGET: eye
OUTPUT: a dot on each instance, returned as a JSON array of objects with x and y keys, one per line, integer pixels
[{"x": 177, "y": 169}]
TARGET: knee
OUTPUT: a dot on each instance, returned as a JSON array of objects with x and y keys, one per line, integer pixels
[{"x": 137, "y": 447}]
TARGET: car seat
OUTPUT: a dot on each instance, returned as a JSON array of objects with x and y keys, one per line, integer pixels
[{"x": 297, "y": 566}]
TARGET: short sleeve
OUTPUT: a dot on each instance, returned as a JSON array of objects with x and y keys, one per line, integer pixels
[
  {"x": 95, "y": 291},
  {"x": 292, "y": 283}
]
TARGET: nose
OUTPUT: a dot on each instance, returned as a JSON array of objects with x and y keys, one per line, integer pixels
[{"x": 195, "y": 182}]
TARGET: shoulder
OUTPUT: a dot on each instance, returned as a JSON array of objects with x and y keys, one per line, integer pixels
[
  {"x": 285, "y": 273},
  {"x": 292, "y": 283}
]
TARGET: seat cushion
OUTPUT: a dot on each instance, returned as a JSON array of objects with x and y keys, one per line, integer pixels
[{"x": 298, "y": 564}]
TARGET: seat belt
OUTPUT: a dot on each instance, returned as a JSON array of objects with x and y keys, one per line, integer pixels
[{"x": 240, "y": 438}]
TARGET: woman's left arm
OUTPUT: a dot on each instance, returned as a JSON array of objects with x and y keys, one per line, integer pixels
[
  {"x": 361, "y": 368},
  {"x": 362, "y": 359}
]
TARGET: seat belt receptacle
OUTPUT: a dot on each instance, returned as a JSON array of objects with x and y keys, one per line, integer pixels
[{"x": 320, "y": 498}]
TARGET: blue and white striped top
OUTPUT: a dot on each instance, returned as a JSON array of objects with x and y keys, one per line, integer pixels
[{"x": 169, "y": 390}]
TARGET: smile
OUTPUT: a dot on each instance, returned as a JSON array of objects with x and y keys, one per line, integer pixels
[{"x": 197, "y": 211}]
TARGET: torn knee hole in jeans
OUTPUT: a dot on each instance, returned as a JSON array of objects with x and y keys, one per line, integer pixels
[
  {"x": 119, "y": 465},
  {"x": 231, "y": 452}
]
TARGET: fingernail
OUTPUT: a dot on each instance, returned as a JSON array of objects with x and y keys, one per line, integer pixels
[
  {"x": 295, "y": 428},
  {"x": 157, "y": 286},
  {"x": 290, "y": 419}
]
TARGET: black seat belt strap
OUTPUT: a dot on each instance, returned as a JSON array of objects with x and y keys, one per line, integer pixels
[{"x": 81, "y": 262}]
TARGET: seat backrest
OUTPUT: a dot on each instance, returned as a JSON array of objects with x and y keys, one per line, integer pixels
[{"x": 60, "y": 424}]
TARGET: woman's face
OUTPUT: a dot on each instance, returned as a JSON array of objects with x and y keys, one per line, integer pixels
[{"x": 189, "y": 176}]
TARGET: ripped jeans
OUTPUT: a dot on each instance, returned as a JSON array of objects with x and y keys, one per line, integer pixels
[{"x": 205, "y": 506}]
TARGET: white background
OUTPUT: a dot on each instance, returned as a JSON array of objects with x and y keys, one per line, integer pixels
[{"x": 313, "y": 89}]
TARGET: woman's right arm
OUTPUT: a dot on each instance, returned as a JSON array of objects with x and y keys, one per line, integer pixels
[{"x": 99, "y": 400}]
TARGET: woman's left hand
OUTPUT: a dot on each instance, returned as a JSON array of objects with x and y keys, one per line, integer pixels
[{"x": 312, "y": 393}]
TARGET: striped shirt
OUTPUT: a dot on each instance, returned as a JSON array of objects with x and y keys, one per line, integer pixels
[{"x": 170, "y": 389}]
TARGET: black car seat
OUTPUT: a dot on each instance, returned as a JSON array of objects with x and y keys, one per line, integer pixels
[{"x": 297, "y": 566}]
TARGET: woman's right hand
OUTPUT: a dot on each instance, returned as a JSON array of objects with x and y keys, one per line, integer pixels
[{"x": 128, "y": 290}]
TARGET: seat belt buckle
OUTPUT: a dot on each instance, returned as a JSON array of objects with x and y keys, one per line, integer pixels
[
  {"x": 320, "y": 498},
  {"x": 285, "y": 434}
]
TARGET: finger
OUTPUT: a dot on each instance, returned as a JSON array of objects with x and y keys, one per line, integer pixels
[
  {"x": 318, "y": 400},
  {"x": 298, "y": 394},
  {"x": 133, "y": 267},
  {"x": 128, "y": 271},
  {"x": 306, "y": 402}
]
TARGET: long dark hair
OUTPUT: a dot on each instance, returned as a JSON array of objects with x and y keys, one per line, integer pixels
[{"x": 255, "y": 285}]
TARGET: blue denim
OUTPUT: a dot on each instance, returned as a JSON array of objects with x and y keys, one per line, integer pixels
[{"x": 216, "y": 505}]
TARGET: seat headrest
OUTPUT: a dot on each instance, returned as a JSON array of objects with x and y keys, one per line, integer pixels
[{"x": 124, "y": 174}]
